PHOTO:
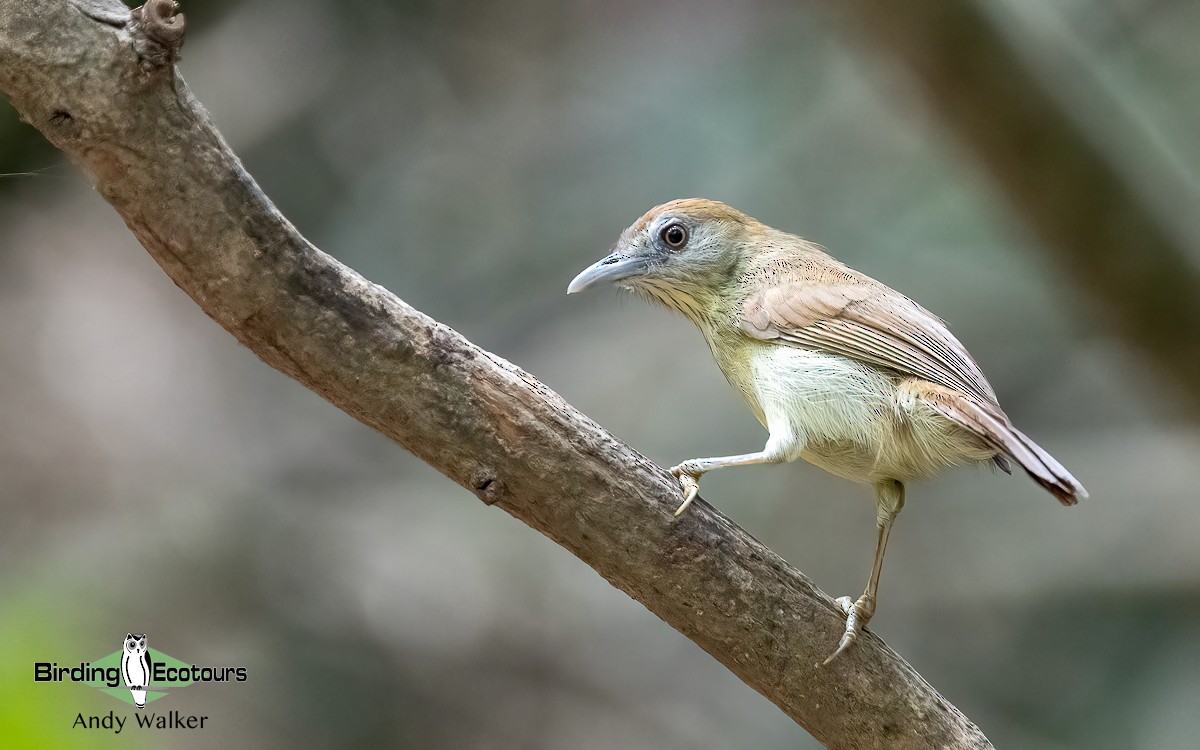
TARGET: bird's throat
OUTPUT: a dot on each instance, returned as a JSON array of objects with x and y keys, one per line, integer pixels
[{"x": 699, "y": 306}]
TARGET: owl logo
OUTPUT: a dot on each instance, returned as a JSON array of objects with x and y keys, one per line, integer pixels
[{"x": 136, "y": 666}]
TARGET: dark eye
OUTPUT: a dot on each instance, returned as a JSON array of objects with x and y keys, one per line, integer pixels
[{"x": 674, "y": 235}]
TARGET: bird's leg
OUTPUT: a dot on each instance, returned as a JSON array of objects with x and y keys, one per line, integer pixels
[
  {"x": 784, "y": 443},
  {"x": 889, "y": 499},
  {"x": 689, "y": 472}
]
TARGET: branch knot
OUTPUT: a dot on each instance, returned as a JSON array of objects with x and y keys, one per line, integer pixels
[
  {"x": 487, "y": 486},
  {"x": 157, "y": 29}
]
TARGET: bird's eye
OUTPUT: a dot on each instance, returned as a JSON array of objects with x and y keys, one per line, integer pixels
[{"x": 674, "y": 236}]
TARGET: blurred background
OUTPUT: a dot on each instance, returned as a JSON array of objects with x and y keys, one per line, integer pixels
[{"x": 472, "y": 157}]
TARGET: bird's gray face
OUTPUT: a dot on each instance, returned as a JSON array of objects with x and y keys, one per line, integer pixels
[{"x": 679, "y": 259}]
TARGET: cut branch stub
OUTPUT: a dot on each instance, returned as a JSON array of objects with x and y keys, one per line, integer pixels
[{"x": 157, "y": 28}]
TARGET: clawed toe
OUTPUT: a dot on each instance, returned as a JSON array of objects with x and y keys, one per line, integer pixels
[
  {"x": 858, "y": 613},
  {"x": 689, "y": 480}
]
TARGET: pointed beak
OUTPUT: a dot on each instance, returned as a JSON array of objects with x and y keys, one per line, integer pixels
[{"x": 608, "y": 270}]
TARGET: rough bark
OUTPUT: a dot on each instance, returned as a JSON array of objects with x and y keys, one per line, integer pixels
[
  {"x": 100, "y": 84},
  {"x": 1139, "y": 272}
]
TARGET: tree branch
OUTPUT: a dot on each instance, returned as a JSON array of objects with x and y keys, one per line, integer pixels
[
  {"x": 106, "y": 93},
  {"x": 1102, "y": 231}
]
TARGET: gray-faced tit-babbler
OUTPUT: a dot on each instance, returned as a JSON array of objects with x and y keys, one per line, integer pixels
[{"x": 841, "y": 370}]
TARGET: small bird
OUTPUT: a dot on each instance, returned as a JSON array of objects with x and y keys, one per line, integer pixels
[{"x": 840, "y": 369}]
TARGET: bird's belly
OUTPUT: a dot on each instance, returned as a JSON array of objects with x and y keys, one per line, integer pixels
[
  {"x": 847, "y": 417},
  {"x": 833, "y": 408}
]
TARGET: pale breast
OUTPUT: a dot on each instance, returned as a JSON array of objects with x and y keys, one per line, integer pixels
[
  {"x": 826, "y": 405},
  {"x": 847, "y": 417},
  {"x": 842, "y": 415}
]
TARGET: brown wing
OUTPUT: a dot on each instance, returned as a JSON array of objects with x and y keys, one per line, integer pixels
[{"x": 867, "y": 322}]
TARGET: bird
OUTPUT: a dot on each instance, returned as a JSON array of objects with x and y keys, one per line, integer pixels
[
  {"x": 136, "y": 666},
  {"x": 840, "y": 369}
]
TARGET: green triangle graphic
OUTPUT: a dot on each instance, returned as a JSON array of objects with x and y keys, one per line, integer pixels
[
  {"x": 123, "y": 694},
  {"x": 169, "y": 672}
]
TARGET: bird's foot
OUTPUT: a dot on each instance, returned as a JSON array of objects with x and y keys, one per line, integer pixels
[
  {"x": 858, "y": 614},
  {"x": 688, "y": 473}
]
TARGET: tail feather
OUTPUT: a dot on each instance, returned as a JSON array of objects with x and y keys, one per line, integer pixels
[
  {"x": 1046, "y": 471},
  {"x": 991, "y": 424}
]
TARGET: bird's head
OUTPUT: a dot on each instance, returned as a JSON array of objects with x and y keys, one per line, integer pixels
[{"x": 685, "y": 254}]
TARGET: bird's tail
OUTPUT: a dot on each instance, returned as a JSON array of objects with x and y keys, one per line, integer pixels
[
  {"x": 991, "y": 424},
  {"x": 1042, "y": 467}
]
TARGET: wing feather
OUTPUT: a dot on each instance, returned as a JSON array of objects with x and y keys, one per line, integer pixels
[{"x": 867, "y": 322}]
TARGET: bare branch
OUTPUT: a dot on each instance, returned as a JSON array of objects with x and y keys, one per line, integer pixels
[
  {"x": 1137, "y": 269},
  {"x": 107, "y": 96}
]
